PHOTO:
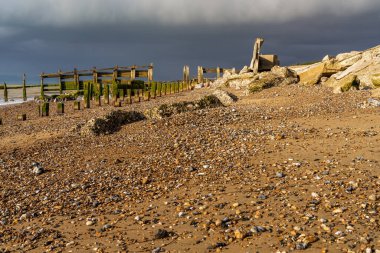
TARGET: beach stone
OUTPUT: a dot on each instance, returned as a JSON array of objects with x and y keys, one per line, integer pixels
[
  {"x": 244, "y": 70},
  {"x": 224, "y": 97},
  {"x": 302, "y": 246},
  {"x": 326, "y": 58},
  {"x": 238, "y": 234},
  {"x": 37, "y": 169},
  {"x": 376, "y": 80},
  {"x": 344, "y": 84},
  {"x": 313, "y": 75},
  {"x": 372, "y": 197},
  {"x": 90, "y": 223},
  {"x": 161, "y": 234}
]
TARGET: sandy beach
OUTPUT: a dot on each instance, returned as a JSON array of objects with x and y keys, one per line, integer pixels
[{"x": 289, "y": 168}]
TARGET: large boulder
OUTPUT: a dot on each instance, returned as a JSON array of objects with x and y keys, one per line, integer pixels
[
  {"x": 283, "y": 72},
  {"x": 340, "y": 70},
  {"x": 312, "y": 75},
  {"x": 224, "y": 97},
  {"x": 345, "y": 84},
  {"x": 276, "y": 77},
  {"x": 375, "y": 78},
  {"x": 367, "y": 64},
  {"x": 256, "y": 82}
]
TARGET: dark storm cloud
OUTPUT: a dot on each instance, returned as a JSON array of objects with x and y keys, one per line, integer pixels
[{"x": 44, "y": 35}]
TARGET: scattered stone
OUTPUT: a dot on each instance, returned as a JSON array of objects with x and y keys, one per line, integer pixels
[
  {"x": 161, "y": 234},
  {"x": 37, "y": 168},
  {"x": 238, "y": 234},
  {"x": 111, "y": 122},
  {"x": 302, "y": 246},
  {"x": 372, "y": 197},
  {"x": 258, "y": 229},
  {"x": 224, "y": 97},
  {"x": 90, "y": 222}
]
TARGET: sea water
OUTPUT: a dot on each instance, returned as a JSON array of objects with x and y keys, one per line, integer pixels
[{"x": 15, "y": 95}]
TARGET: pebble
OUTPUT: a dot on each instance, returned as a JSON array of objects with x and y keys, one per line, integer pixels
[
  {"x": 338, "y": 210},
  {"x": 302, "y": 246},
  {"x": 258, "y": 229},
  {"x": 70, "y": 243},
  {"x": 280, "y": 174},
  {"x": 90, "y": 223},
  {"x": 326, "y": 228},
  {"x": 372, "y": 197},
  {"x": 315, "y": 195},
  {"x": 161, "y": 234},
  {"x": 238, "y": 234},
  {"x": 37, "y": 169}
]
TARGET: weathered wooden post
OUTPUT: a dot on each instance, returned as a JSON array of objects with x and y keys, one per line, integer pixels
[
  {"x": 217, "y": 72},
  {"x": 150, "y": 72},
  {"x": 106, "y": 94},
  {"x": 98, "y": 93},
  {"x": 146, "y": 92},
  {"x": 115, "y": 91},
  {"x": 153, "y": 86},
  {"x": 159, "y": 88},
  {"x": 186, "y": 74},
  {"x": 133, "y": 72},
  {"x": 24, "y": 97},
  {"x": 60, "y": 108},
  {"x": 97, "y": 87},
  {"x": 87, "y": 95},
  {"x": 121, "y": 94},
  {"x": 76, "y": 105},
  {"x": 5, "y": 92},
  {"x": 21, "y": 117},
  {"x": 166, "y": 85},
  {"x": 1, "y": 121},
  {"x": 44, "y": 109},
  {"x": 129, "y": 93},
  {"x": 60, "y": 82},
  {"x": 42, "y": 86},
  {"x": 76, "y": 79},
  {"x": 200, "y": 74}
]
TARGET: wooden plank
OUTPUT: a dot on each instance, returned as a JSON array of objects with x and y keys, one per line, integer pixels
[
  {"x": 141, "y": 73},
  {"x": 125, "y": 74}
]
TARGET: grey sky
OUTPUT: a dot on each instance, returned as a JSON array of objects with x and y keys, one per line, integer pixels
[{"x": 44, "y": 35}]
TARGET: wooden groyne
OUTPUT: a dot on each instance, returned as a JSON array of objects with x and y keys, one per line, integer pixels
[
  {"x": 116, "y": 86},
  {"x": 218, "y": 71}
]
